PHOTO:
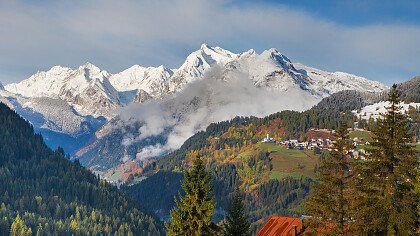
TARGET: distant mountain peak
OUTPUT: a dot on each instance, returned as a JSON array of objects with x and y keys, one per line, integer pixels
[
  {"x": 205, "y": 46},
  {"x": 58, "y": 69},
  {"x": 90, "y": 69},
  {"x": 273, "y": 53},
  {"x": 1, "y": 86}
]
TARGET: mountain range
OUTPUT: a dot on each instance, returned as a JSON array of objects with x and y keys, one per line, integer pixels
[{"x": 145, "y": 112}]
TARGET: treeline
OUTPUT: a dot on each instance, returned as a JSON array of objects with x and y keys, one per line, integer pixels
[{"x": 43, "y": 193}]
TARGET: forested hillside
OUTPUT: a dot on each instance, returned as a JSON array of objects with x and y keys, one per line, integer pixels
[
  {"x": 327, "y": 114},
  {"x": 234, "y": 158},
  {"x": 410, "y": 90},
  {"x": 43, "y": 193},
  {"x": 275, "y": 180}
]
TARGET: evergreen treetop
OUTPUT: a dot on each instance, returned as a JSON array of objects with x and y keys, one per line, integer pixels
[
  {"x": 236, "y": 220},
  {"x": 193, "y": 212}
]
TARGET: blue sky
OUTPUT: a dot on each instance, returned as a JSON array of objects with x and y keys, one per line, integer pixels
[
  {"x": 375, "y": 39},
  {"x": 358, "y": 12}
]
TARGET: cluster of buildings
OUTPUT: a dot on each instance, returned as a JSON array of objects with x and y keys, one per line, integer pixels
[{"x": 323, "y": 144}]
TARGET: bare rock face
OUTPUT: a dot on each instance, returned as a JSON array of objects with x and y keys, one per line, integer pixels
[{"x": 142, "y": 96}]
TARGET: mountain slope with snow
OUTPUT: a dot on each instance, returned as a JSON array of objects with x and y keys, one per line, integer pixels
[
  {"x": 332, "y": 82},
  {"x": 86, "y": 89},
  {"x": 153, "y": 80}
]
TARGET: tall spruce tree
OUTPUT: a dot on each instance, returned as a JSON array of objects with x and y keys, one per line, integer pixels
[
  {"x": 236, "y": 220},
  {"x": 385, "y": 198},
  {"x": 193, "y": 212},
  {"x": 329, "y": 203}
]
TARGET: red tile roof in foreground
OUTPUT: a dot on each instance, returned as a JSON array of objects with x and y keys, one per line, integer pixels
[{"x": 281, "y": 226}]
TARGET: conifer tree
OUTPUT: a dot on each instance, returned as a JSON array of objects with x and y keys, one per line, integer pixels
[
  {"x": 193, "y": 212},
  {"x": 418, "y": 203},
  {"x": 19, "y": 228},
  {"x": 385, "y": 198},
  {"x": 329, "y": 203},
  {"x": 236, "y": 219}
]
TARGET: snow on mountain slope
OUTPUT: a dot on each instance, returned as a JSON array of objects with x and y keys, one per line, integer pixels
[
  {"x": 152, "y": 80},
  {"x": 331, "y": 82},
  {"x": 55, "y": 119},
  {"x": 1, "y": 86},
  {"x": 270, "y": 70},
  {"x": 3, "y": 99},
  {"x": 374, "y": 111},
  {"x": 42, "y": 84},
  {"x": 87, "y": 89}
]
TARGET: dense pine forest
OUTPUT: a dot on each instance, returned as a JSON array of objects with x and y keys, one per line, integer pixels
[{"x": 43, "y": 193}]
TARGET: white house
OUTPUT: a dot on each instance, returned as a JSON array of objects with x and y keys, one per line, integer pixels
[{"x": 268, "y": 139}]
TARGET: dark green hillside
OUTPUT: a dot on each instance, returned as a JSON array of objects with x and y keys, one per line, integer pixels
[{"x": 54, "y": 196}]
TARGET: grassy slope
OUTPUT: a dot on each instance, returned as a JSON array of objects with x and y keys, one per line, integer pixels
[
  {"x": 361, "y": 134},
  {"x": 286, "y": 162}
]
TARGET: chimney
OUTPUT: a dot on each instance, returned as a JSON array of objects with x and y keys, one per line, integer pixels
[{"x": 294, "y": 230}]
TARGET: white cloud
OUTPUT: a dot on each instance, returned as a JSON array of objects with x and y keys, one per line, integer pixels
[
  {"x": 117, "y": 34},
  {"x": 202, "y": 102},
  {"x": 151, "y": 151}
]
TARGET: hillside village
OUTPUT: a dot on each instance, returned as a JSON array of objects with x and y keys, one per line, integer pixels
[{"x": 324, "y": 144}]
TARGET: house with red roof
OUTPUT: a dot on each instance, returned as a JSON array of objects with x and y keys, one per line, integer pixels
[{"x": 281, "y": 226}]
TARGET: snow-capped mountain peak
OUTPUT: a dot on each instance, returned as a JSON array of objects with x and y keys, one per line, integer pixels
[
  {"x": 274, "y": 55},
  {"x": 247, "y": 54},
  {"x": 153, "y": 80},
  {"x": 1, "y": 86},
  {"x": 198, "y": 63},
  {"x": 42, "y": 83},
  {"x": 86, "y": 88},
  {"x": 91, "y": 67}
]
